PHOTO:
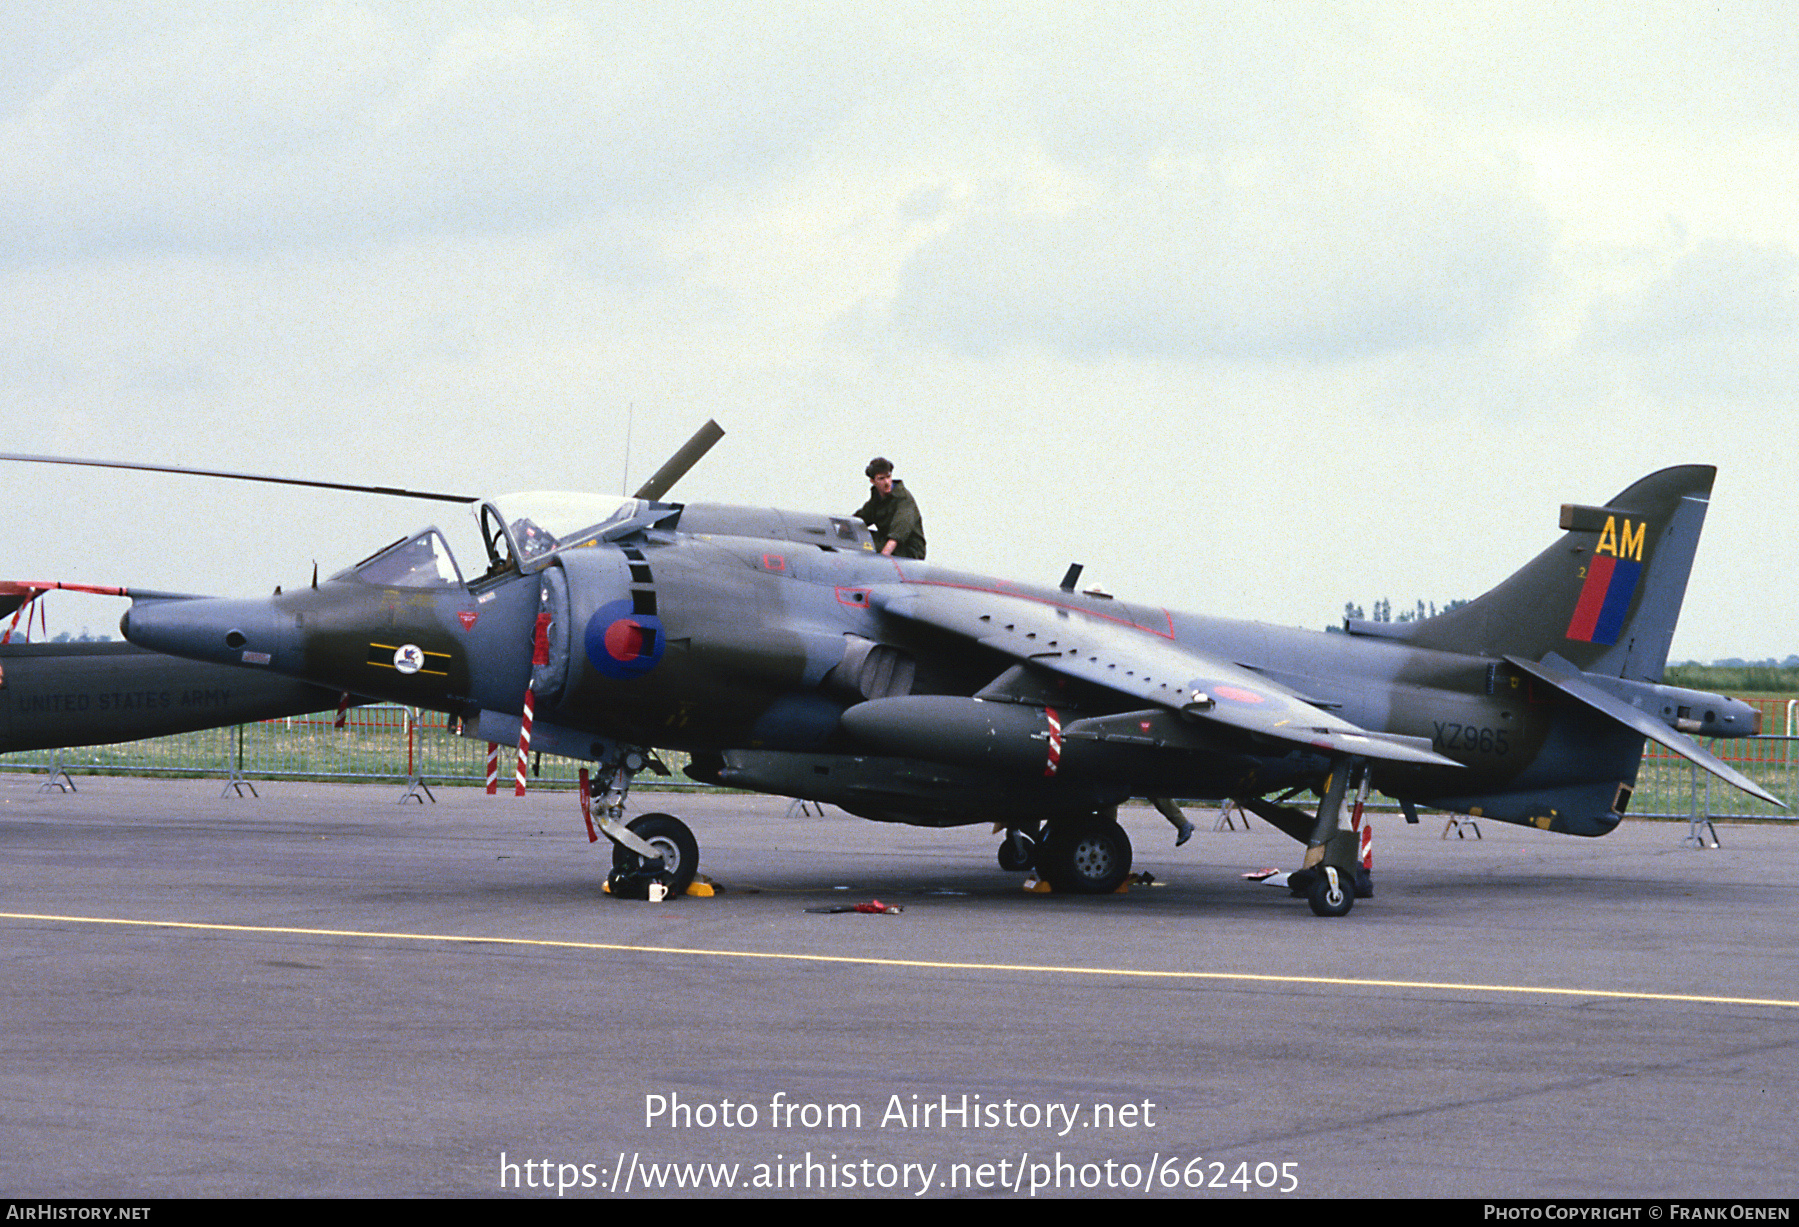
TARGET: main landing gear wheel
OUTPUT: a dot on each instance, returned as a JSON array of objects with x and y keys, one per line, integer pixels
[
  {"x": 1332, "y": 893},
  {"x": 669, "y": 836},
  {"x": 1088, "y": 859}
]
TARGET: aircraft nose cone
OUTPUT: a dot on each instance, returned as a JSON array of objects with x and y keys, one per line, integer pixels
[{"x": 224, "y": 632}]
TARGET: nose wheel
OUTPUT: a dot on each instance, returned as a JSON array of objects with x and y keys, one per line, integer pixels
[
  {"x": 651, "y": 848},
  {"x": 677, "y": 859}
]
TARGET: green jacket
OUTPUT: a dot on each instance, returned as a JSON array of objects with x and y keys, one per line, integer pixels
[{"x": 895, "y": 517}]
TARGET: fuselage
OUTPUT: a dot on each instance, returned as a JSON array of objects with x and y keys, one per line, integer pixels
[{"x": 739, "y": 629}]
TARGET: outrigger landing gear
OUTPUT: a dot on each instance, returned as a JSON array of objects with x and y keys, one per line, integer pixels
[
  {"x": 654, "y": 855},
  {"x": 1329, "y": 894},
  {"x": 1331, "y": 880},
  {"x": 1328, "y": 880}
]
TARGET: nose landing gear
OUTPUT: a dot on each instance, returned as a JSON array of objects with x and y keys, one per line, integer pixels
[
  {"x": 677, "y": 859},
  {"x": 652, "y": 850}
]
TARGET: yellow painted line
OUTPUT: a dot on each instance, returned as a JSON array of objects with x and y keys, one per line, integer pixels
[{"x": 866, "y": 961}]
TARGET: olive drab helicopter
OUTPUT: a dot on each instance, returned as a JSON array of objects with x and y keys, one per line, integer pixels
[{"x": 784, "y": 655}]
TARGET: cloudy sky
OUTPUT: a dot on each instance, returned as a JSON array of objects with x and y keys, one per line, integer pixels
[{"x": 1254, "y": 309}]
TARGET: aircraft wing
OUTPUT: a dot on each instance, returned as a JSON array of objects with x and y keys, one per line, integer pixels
[{"x": 1145, "y": 663}]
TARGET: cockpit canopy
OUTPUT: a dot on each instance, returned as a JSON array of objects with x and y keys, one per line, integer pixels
[
  {"x": 516, "y": 530},
  {"x": 536, "y": 522},
  {"x": 520, "y": 529},
  {"x": 422, "y": 560},
  {"x": 543, "y": 520}
]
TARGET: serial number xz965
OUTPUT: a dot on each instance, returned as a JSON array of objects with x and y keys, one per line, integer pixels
[{"x": 1451, "y": 736}]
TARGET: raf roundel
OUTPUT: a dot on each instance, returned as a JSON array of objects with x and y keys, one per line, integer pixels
[{"x": 621, "y": 643}]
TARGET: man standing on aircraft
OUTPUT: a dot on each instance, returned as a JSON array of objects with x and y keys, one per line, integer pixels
[{"x": 892, "y": 513}]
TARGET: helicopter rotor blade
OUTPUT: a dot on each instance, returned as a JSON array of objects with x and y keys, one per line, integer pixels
[{"x": 393, "y": 491}]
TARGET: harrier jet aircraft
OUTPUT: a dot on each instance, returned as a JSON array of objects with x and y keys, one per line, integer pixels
[{"x": 785, "y": 656}]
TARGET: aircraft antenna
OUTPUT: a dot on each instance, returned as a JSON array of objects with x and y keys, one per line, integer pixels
[{"x": 624, "y": 477}]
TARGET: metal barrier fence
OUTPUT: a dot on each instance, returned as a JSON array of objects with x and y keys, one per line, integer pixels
[
  {"x": 375, "y": 743},
  {"x": 1670, "y": 786},
  {"x": 397, "y": 744}
]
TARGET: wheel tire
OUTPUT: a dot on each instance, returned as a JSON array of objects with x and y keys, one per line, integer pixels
[
  {"x": 1332, "y": 899},
  {"x": 1017, "y": 852},
  {"x": 669, "y": 836},
  {"x": 1087, "y": 859}
]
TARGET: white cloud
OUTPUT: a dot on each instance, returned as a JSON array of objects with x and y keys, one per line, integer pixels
[
  {"x": 1253, "y": 308},
  {"x": 342, "y": 125},
  {"x": 1718, "y": 321},
  {"x": 1715, "y": 289},
  {"x": 1402, "y": 236}
]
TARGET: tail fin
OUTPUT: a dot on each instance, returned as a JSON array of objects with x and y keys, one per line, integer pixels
[{"x": 1606, "y": 596}]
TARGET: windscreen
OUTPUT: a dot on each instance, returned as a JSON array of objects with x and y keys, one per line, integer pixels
[{"x": 423, "y": 561}]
